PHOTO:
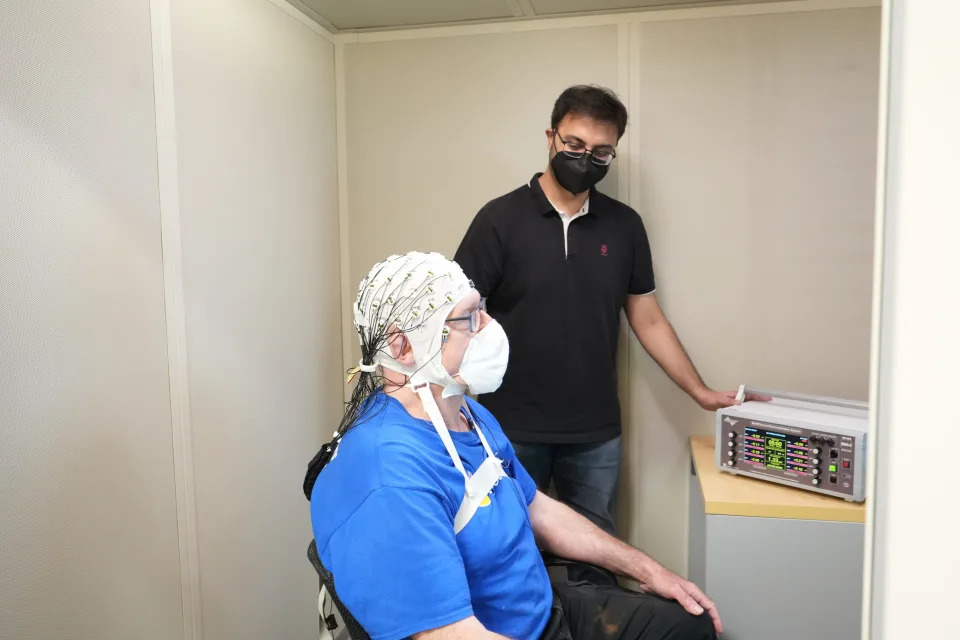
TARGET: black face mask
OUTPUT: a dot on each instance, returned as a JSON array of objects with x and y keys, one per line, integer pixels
[{"x": 577, "y": 175}]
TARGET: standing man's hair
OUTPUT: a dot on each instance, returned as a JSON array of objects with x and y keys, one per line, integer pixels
[{"x": 596, "y": 103}]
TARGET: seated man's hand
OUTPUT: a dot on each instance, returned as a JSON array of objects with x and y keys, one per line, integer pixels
[
  {"x": 667, "y": 584},
  {"x": 563, "y": 532}
]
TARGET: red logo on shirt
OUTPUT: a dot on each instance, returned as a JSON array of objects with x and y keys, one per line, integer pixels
[{"x": 603, "y": 250}]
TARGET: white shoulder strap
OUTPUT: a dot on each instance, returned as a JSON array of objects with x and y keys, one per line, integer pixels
[
  {"x": 430, "y": 405},
  {"x": 483, "y": 481}
]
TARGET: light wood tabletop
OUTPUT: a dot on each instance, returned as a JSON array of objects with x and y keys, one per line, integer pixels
[{"x": 727, "y": 494}]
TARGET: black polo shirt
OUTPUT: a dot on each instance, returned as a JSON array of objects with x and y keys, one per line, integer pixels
[{"x": 560, "y": 310}]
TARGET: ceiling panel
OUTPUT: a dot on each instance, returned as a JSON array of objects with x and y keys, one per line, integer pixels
[
  {"x": 551, "y": 7},
  {"x": 372, "y": 14}
]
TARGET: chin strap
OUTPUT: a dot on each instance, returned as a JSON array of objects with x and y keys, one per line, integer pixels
[
  {"x": 481, "y": 483},
  {"x": 430, "y": 405}
]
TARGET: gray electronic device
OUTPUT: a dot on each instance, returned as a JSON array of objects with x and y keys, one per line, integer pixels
[{"x": 807, "y": 442}]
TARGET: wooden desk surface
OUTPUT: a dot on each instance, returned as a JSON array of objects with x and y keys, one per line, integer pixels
[{"x": 730, "y": 495}]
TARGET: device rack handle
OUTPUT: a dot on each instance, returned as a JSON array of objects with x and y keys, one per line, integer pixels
[{"x": 790, "y": 395}]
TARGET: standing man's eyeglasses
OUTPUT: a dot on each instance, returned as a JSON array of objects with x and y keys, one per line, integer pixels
[{"x": 575, "y": 149}]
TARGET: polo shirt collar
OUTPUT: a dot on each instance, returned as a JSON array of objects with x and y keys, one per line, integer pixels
[{"x": 544, "y": 206}]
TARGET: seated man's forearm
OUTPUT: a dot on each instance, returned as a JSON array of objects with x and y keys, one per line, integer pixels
[
  {"x": 562, "y": 531},
  {"x": 565, "y": 533},
  {"x": 467, "y": 629}
]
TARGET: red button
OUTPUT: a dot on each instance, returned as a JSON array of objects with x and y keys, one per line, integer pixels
[{"x": 846, "y": 464}]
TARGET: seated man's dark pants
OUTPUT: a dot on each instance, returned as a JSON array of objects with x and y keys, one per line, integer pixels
[{"x": 587, "y": 611}]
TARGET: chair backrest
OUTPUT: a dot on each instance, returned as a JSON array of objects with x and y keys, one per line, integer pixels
[{"x": 336, "y": 621}]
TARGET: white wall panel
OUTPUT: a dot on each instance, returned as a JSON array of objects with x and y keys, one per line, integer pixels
[{"x": 915, "y": 551}]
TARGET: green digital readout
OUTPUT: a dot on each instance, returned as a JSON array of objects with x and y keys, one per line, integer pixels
[{"x": 775, "y": 450}]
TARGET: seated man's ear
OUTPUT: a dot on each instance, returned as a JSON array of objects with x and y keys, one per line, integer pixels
[{"x": 400, "y": 348}]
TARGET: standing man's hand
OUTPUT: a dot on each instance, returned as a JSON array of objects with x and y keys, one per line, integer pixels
[{"x": 711, "y": 400}]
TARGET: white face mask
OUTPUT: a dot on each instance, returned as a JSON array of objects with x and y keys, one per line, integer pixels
[{"x": 485, "y": 359}]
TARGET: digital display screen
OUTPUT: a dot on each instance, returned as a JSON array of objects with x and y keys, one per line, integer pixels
[{"x": 776, "y": 450}]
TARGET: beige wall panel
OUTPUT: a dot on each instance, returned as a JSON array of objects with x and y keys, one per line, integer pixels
[
  {"x": 756, "y": 179},
  {"x": 256, "y": 141},
  {"x": 88, "y": 517},
  {"x": 436, "y": 128},
  {"x": 754, "y": 174}
]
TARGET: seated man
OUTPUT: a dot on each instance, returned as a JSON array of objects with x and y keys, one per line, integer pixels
[{"x": 422, "y": 513}]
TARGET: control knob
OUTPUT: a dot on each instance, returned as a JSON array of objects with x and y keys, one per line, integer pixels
[
  {"x": 816, "y": 451},
  {"x": 816, "y": 481},
  {"x": 732, "y": 434},
  {"x": 816, "y": 462},
  {"x": 831, "y": 441},
  {"x": 730, "y": 443},
  {"x": 815, "y": 472}
]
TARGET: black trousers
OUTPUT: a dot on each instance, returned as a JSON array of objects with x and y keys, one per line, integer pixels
[{"x": 587, "y": 611}]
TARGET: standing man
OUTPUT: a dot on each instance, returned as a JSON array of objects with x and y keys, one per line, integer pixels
[{"x": 556, "y": 261}]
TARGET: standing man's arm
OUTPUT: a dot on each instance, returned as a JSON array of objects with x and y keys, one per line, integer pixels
[
  {"x": 481, "y": 254},
  {"x": 657, "y": 336}
]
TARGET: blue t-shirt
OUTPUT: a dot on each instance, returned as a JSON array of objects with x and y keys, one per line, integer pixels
[{"x": 383, "y": 512}]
